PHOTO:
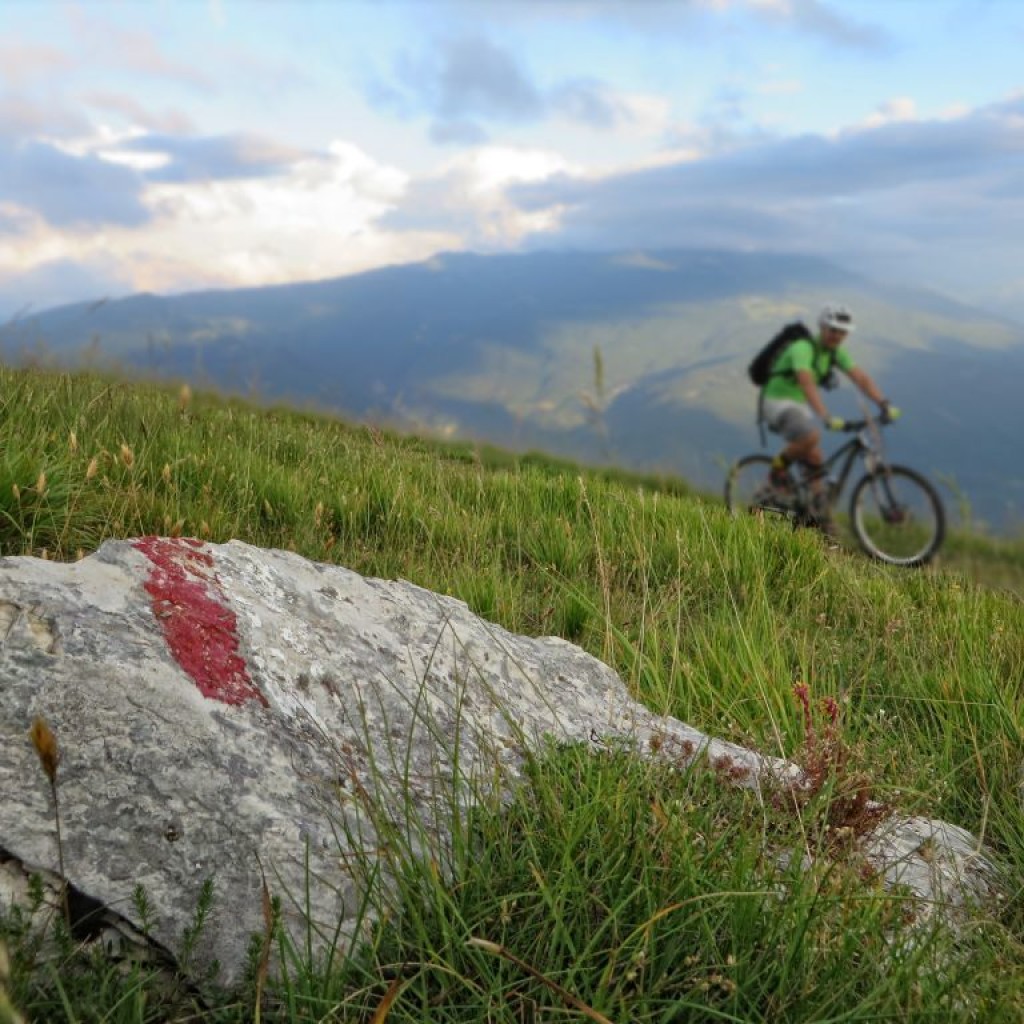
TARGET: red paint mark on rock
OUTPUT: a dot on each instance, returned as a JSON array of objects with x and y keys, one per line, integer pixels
[{"x": 199, "y": 627}]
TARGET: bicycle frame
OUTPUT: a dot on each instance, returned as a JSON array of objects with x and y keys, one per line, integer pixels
[
  {"x": 852, "y": 449},
  {"x": 848, "y": 453}
]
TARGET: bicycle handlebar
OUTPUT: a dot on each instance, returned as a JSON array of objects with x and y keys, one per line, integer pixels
[{"x": 853, "y": 426}]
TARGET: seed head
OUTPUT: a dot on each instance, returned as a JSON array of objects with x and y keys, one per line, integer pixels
[
  {"x": 46, "y": 747},
  {"x": 127, "y": 456},
  {"x": 92, "y": 468}
]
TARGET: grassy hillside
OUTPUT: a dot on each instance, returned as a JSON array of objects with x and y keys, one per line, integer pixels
[
  {"x": 501, "y": 348},
  {"x": 607, "y": 890}
]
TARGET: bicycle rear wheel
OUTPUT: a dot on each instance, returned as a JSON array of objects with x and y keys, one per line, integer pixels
[
  {"x": 897, "y": 517},
  {"x": 745, "y": 489}
]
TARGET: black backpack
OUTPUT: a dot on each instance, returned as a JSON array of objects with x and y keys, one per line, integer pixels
[{"x": 760, "y": 369}]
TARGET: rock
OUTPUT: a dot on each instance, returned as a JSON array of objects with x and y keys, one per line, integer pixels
[{"x": 231, "y": 713}]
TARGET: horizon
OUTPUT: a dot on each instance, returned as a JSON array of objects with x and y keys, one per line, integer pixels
[
  {"x": 221, "y": 145},
  {"x": 632, "y": 257}
]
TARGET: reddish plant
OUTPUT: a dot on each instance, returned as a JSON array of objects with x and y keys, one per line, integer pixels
[{"x": 826, "y": 759}]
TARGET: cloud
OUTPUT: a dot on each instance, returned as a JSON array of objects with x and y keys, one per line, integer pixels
[
  {"x": 477, "y": 77},
  {"x": 470, "y": 80},
  {"x": 170, "y": 122},
  {"x": 853, "y": 162},
  {"x": 213, "y": 158},
  {"x": 900, "y": 108},
  {"x": 69, "y": 191},
  {"x": 899, "y": 187},
  {"x": 22, "y": 117},
  {"x": 822, "y": 20},
  {"x": 466, "y": 200},
  {"x": 466, "y": 79},
  {"x": 102, "y": 42},
  {"x": 722, "y": 127},
  {"x": 591, "y": 102},
  {"x": 319, "y": 217},
  {"x": 456, "y": 132},
  {"x": 21, "y": 63}
]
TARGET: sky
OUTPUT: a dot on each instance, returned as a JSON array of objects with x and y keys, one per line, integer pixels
[{"x": 176, "y": 145}]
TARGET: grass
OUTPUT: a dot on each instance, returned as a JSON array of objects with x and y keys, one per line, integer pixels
[{"x": 606, "y": 889}]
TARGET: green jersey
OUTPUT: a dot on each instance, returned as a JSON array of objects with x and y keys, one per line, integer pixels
[{"x": 803, "y": 355}]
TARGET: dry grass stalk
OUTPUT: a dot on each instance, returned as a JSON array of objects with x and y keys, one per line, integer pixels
[
  {"x": 380, "y": 1015},
  {"x": 45, "y": 743},
  {"x": 268, "y": 934},
  {"x": 568, "y": 997}
]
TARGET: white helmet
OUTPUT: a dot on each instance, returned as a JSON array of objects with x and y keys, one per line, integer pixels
[{"x": 836, "y": 316}]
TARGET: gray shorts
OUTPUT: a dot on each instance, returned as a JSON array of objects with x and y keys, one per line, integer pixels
[{"x": 793, "y": 420}]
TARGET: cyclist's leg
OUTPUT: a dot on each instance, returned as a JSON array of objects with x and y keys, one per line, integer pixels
[
  {"x": 778, "y": 485},
  {"x": 820, "y": 504},
  {"x": 807, "y": 451},
  {"x": 796, "y": 423}
]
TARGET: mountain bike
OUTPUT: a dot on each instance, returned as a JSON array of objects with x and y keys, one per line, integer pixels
[{"x": 895, "y": 513}]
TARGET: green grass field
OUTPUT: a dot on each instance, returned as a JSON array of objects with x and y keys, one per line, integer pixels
[{"x": 608, "y": 889}]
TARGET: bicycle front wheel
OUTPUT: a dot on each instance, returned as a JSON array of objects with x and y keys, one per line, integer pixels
[
  {"x": 745, "y": 484},
  {"x": 897, "y": 517}
]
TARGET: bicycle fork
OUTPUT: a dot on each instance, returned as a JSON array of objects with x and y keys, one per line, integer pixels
[{"x": 888, "y": 505}]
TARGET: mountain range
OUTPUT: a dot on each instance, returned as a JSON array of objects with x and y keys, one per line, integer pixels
[{"x": 631, "y": 358}]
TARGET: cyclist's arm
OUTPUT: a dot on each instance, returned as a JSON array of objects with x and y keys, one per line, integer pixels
[
  {"x": 810, "y": 389},
  {"x": 866, "y": 384}
]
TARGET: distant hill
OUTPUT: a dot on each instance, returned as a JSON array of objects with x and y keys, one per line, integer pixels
[{"x": 632, "y": 358}]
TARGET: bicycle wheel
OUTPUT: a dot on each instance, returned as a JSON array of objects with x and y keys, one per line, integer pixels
[
  {"x": 745, "y": 486},
  {"x": 897, "y": 516}
]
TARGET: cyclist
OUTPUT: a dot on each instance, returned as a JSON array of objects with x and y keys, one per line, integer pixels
[{"x": 792, "y": 400}]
